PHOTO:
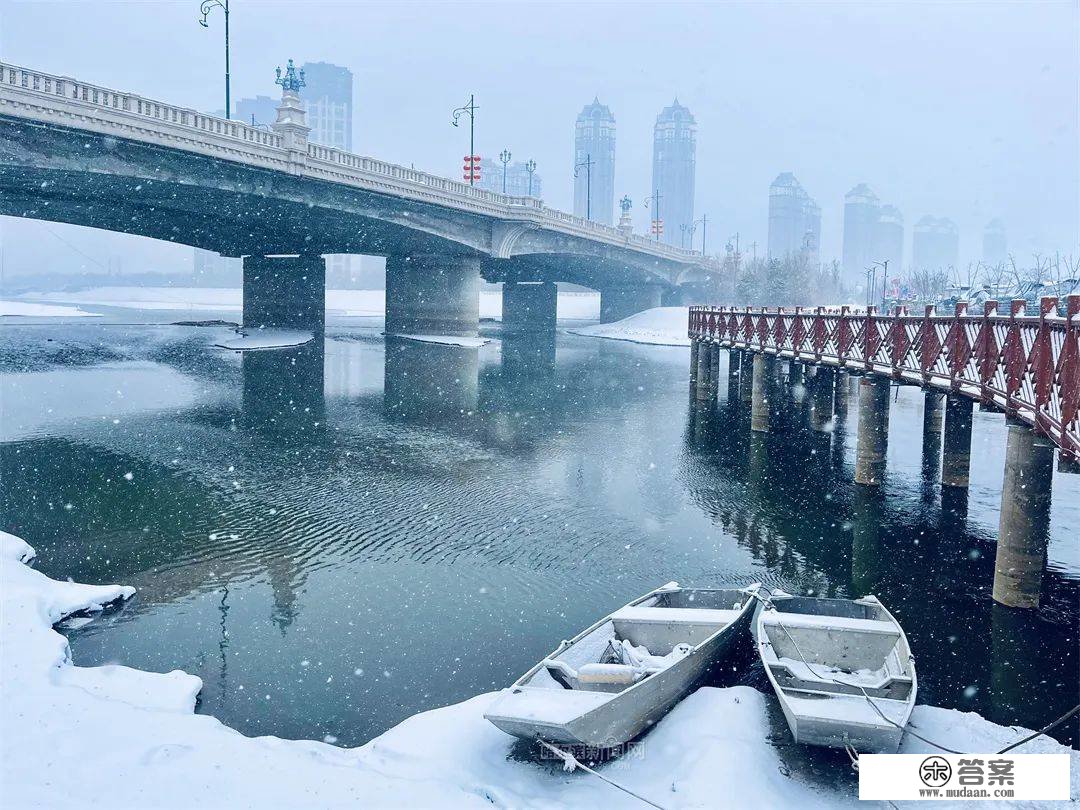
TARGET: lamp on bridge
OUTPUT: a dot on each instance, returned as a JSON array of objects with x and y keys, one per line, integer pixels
[
  {"x": 626, "y": 227},
  {"x": 530, "y": 167},
  {"x": 504, "y": 158},
  {"x": 291, "y": 121},
  {"x": 206, "y": 7}
]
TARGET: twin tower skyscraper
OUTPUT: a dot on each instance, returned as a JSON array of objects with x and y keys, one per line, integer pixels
[{"x": 671, "y": 197}]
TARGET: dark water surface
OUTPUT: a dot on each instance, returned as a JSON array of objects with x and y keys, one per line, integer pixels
[{"x": 336, "y": 537}]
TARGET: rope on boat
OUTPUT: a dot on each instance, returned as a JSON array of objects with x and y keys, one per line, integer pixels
[
  {"x": 570, "y": 762},
  {"x": 766, "y": 601}
]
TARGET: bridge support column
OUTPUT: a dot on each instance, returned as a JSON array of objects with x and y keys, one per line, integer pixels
[
  {"x": 694, "y": 343},
  {"x": 704, "y": 372},
  {"x": 734, "y": 358},
  {"x": 795, "y": 372},
  {"x": 432, "y": 295},
  {"x": 764, "y": 381},
  {"x": 822, "y": 400},
  {"x": 1025, "y": 518},
  {"x": 956, "y": 459},
  {"x": 287, "y": 292},
  {"x": 842, "y": 393},
  {"x": 932, "y": 427},
  {"x": 746, "y": 377},
  {"x": 529, "y": 308},
  {"x": 617, "y": 303},
  {"x": 714, "y": 370},
  {"x": 873, "y": 441}
]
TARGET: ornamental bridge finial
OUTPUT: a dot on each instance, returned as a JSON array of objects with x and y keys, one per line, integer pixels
[{"x": 292, "y": 81}]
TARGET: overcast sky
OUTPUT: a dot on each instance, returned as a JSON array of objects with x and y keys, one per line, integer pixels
[{"x": 960, "y": 109}]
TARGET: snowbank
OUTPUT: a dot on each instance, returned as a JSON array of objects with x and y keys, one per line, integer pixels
[
  {"x": 448, "y": 340},
  {"x": 661, "y": 326},
  {"x": 108, "y": 737},
  {"x": 258, "y": 339},
  {"x": 28, "y": 309}
]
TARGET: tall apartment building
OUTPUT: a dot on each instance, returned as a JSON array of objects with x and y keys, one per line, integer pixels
[
  {"x": 674, "y": 167},
  {"x": 794, "y": 220},
  {"x": 995, "y": 246},
  {"x": 935, "y": 244},
  {"x": 594, "y": 142}
]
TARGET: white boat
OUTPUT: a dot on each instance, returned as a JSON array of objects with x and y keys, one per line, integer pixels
[
  {"x": 616, "y": 679},
  {"x": 842, "y": 670}
]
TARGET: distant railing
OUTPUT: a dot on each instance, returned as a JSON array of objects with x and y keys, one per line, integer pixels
[
  {"x": 148, "y": 117},
  {"x": 1028, "y": 366}
]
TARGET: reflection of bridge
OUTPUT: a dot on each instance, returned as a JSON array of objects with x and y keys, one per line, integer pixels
[
  {"x": 78, "y": 153},
  {"x": 1026, "y": 367}
]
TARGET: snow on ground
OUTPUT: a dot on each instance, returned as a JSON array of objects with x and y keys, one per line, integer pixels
[
  {"x": 448, "y": 340},
  {"x": 28, "y": 309},
  {"x": 660, "y": 326},
  {"x": 349, "y": 303},
  {"x": 258, "y": 339},
  {"x": 107, "y": 737}
]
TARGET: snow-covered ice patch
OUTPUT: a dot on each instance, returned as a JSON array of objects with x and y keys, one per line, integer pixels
[
  {"x": 260, "y": 339},
  {"x": 29, "y": 309},
  {"x": 107, "y": 737},
  {"x": 182, "y": 299},
  {"x": 448, "y": 340},
  {"x": 660, "y": 326}
]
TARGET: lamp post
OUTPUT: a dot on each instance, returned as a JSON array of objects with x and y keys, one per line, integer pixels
[
  {"x": 884, "y": 265},
  {"x": 693, "y": 227},
  {"x": 683, "y": 228},
  {"x": 206, "y": 7},
  {"x": 530, "y": 167},
  {"x": 504, "y": 158},
  {"x": 586, "y": 164},
  {"x": 470, "y": 110},
  {"x": 654, "y": 203},
  {"x": 871, "y": 283}
]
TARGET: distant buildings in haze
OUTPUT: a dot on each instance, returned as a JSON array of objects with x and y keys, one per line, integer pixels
[
  {"x": 674, "y": 164},
  {"x": 872, "y": 233},
  {"x": 261, "y": 110},
  {"x": 794, "y": 220},
  {"x": 517, "y": 178},
  {"x": 935, "y": 244},
  {"x": 594, "y": 140},
  {"x": 994, "y": 245}
]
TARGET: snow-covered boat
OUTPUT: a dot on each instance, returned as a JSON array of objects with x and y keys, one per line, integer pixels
[
  {"x": 842, "y": 670},
  {"x": 614, "y": 680}
]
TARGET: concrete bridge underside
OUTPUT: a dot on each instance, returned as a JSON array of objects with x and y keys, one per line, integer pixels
[{"x": 283, "y": 224}]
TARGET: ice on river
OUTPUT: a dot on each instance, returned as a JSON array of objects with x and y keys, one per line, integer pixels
[
  {"x": 660, "y": 326},
  {"x": 259, "y": 339},
  {"x": 29, "y": 309},
  {"x": 108, "y": 737}
]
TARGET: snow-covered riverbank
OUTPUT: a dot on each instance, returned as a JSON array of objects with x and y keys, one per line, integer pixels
[
  {"x": 118, "y": 737},
  {"x": 662, "y": 326}
]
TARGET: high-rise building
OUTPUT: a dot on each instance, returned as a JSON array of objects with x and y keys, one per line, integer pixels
[
  {"x": 328, "y": 95},
  {"x": 794, "y": 220},
  {"x": 517, "y": 178},
  {"x": 674, "y": 159},
  {"x": 889, "y": 238},
  {"x": 861, "y": 213},
  {"x": 935, "y": 244},
  {"x": 995, "y": 245},
  {"x": 594, "y": 141},
  {"x": 260, "y": 110}
]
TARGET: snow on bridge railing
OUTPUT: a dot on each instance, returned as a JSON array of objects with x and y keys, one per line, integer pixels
[
  {"x": 1026, "y": 365},
  {"x": 169, "y": 116}
]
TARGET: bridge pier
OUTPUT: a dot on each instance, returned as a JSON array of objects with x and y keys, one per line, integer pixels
[
  {"x": 714, "y": 371},
  {"x": 734, "y": 359},
  {"x": 842, "y": 393},
  {"x": 1025, "y": 517},
  {"x": 746, "y": 377},
  {"x": 529, "y": 307},
  {"x": 430, "y": 294},
  {"x": 764, "y": 382},
  {"x": 933, "y": 427},
  {"x": 956, "y": 459},
  {"x": 873, "y": 439},
  {"x": 795, "y": 372},
  {"x": 704, "y": 371},
  {"x": 822, "y": 398},
  {"x": 617, "y": 303},
  {"x": 286, "y": 292},
  {"x": 694, "y": 343}
]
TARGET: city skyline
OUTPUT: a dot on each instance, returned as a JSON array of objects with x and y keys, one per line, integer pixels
[
  {"x": 594, "y": 163},
  {"x": 674, "y": 172}
]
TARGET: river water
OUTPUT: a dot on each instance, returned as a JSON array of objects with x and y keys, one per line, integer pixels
[{"x": 339, "y": 536}]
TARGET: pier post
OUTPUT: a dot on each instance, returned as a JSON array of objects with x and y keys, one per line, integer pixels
[
  {"x": 1025, "y": 517},
  {"x": 432, "y": 294},
  {"x": 795, "y": 372},
  {"x": 704, "y": 371},
  {"x": 529, "y": 307},
  {"x": 956, "y": 458},
  {"x": 746, "y": 377},
  {"x": 734, "y": 358},
  {"x": 285, "y": 292},
  {"x": 714, "y": 371},
  {"x": 694, "y": 342},
  {"x": 822, "y": 399},
  {"x": 763, "y": 384},
  {"x": 932, "y": 428},
  {"x": 842, "y": 392},
  {"x": 873, "y": 440}
]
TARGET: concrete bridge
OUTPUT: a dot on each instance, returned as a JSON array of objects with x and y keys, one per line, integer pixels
[
  {"x": 1025, "y": 366},
  {"x": 87, "y": 155}
]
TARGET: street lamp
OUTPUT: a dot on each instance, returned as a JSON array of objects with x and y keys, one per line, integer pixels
[
  {"x": 586, "y": 164},
  {"x": 470, "y": 110},
  {"x": 530, "y": 167},
  {"x": 683, "y": 228},
  {"x": 693, "y": 227},
  {"x": 653, "y": 202},
  {"x": 504, "y": 157},
  {"x": 884, "y": 265},
  {"x": 206, "y": 7}
]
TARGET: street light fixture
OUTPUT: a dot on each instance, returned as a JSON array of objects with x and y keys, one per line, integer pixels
[
  {"x": 884, "y": 265},
  {"x": 504, "y": 158},
  {"x": 586, "y": 164},
  {"x": 530, "y": 167},
  {"x": 469, "y": 110},
  {"x": 693, "y": 227},
  {"x": 206, "y": 7},
  {"x": 653, "y": 202}
]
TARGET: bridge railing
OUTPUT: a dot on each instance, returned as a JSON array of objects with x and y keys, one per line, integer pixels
[
  {"x": 1026, "y": 365},
  {"x": 158, "y": 118}
]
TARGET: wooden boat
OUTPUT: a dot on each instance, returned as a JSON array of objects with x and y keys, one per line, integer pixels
[
  {"x": 842, "y": 670},
  {"x": 616, "y": 679}
]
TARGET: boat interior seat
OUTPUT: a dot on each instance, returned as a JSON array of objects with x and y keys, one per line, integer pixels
[
  {"x": 799, "y": 675},
  {"x": 845, "y": 643},
  {"x": 660, "y": 629},
  {"x": 811, "y": 621}
]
